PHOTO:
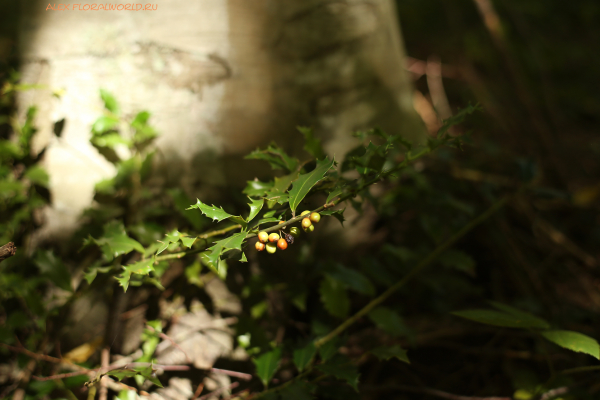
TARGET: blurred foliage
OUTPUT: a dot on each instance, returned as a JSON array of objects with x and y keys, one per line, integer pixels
[{"x": 510, "y": 310}]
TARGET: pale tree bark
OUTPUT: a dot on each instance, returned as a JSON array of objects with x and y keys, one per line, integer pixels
[{"x": 220, "y": 78}]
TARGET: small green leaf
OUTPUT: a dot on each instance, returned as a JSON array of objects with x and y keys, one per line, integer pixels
[
  {"x": 109, "y": 101},
  {"x": 38, "y": 175},
  {"x": 305, "y": 182},
  {"x": 337, "y": 214},
  {"x": 92, "y": 272},
  {"x": 104, "y": 124},
  {"x": 303, "y": 356},
  {"x": 521, "y": 314},
  {"x": 342, "y": 369},
  {"x": 334, "y": 297},
  {"x": 140, "y": 268},
  {"x": 54, "y": 269},
  {"x": 255, "y": 207},
  {"x": 116, "y": 242},
  {"x": 231, "y": 243},
  {"x": 388, "y": 320},
  {"x": 387, "y": 352},
  {"x": 574, "y": 341},
  {"x": 188, "y": 241},
  {"x": 257, "y": 188},
  {"x": 351, "y": 278},
  {"x": 334, "y": 193},
  {"x": 329, "y": 349},
  {"x": 267, "y": 364},
  {"x": 499, "y": 318},
  {"x": 311, "y": 144},
  {"x": 213, "y": 212},
  {"x": 276, "y": 157}
]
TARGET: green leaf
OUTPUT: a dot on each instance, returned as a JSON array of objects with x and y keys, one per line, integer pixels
[
  {"x": 340, "y": 368},
  {"x": 337, "y": 214},
  {"x": 276, "y": 157},
  {"x": 351, "y": 278},
  {"x": 104, "y": 124},
  {"x": 387, "y": 352},
  {"x": 109, "y": 101},
  {"x": 143, "y": 267},
  {"x": 298, "y": 390},
  {"x": 123, "y": 280},
  {"x": 188, "y": 241},
  {"x": 267, "y": 364},
  {"x": 181, "y": 201},
  {"x": 38, "y": 175},
  {"x": 388, "y": 320},
  {"x": 213, "y": 212},
  {"x": 458, "y": 260},
  {"x": 257, "y": 188},
  {"x": 457, "y": 119},
  {"x": 504, "y": 319},
  {"x": 303, "y": 356},
  {"x": 231, "y": 243},
  {"x": 520, "y": 314},
  {"x": 54, "y": 269},
  {"x": 334, "y": 193},
  {"x": 329, "y": 349},
  {"x": 116, "y": 242},
  {"x": 92, "y": 272},
  {"x": 255, "y": 207},
  {"x": 574, "y": 341},
  {"x": 334, "y": 297},
  {"x": 311, "y": 144},
  {"x": 305, "y": 182}
]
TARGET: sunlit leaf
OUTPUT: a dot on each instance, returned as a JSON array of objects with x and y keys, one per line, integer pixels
[
  {"x": 110, "y": 103},
  {"x": 305, "y": 182},
  {"x": 255, "y": 207},
  {"x": 276, "y": 157},
  {"x": 574, "y": 341},
  {"x": 213, "y": 212}
]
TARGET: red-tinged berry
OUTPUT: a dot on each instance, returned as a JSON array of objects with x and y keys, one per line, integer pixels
[
  {"x": 315, "y": 217},
  {"x": 271, "y": 248},
  {"x": 259, "y": 246},
  {"x": 282, "y": 244},
  {"x": 263, "y": 236},
  {"x": 273, "y": 237},
  {"x": 294, "y": 231},
  {"x": 306, "y": 222}
]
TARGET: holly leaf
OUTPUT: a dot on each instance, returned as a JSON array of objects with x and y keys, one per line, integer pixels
[
  {"x": 267, "y": 364},
  {"x": 311, "y": 144},
  {"x": 110, "y": 103},
  {"x": 92, "y": 272},
  {"x": 305, "y": 182},
  {"x": 255, "y": 207},
  {"x": 231, "y": 243},
  {"x": 276, "y": 157},
  {"x": 116, "y": 242},
  {"x": 257, "y": 188},
  {"x": 334, "y": 297},
  {"x": 388, "y": 320},
  {"x": 337, "y": 214},
  {"x": 340, "y": 368},
  {"x": 54, "y": 269},
  {"x": 143, "y": 267},
  {"x": 214, "y": 212},
  {"x": 387, "y": 352},
  {"x": 351, "y": 279},
  {"x": 303, "y": 356}
]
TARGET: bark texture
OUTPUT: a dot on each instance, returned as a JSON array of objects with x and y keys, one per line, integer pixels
[{"x": 220, "y": 78}]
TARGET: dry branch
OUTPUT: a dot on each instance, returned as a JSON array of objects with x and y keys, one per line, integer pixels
[{"x": 8, "y": 250}]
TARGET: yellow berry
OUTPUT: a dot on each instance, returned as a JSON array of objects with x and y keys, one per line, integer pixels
[
  {"x": 309, "y": 229},
  {"x": 271, "y": 248},
  {"x": 263, "y": 236},
  {"x": 315, "y": 217},
  {"x": 304, "y": 212},
  {"x": 306, "y": 222}
]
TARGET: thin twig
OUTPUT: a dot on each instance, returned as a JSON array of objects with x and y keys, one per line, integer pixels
[
  {"x": 112, "y": 368},
  {"x": 434, "y": 392},
  {"x": 165, "y": 337},
  {"x": 235, "y": 374},
  {"x": 8, "y": 250}
]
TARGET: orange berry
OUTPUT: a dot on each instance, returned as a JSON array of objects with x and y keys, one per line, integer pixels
[
  {"x": 282, "y": 244},
  {"x": 259, "y": 246},
  {"x": 273, "y": 237}
]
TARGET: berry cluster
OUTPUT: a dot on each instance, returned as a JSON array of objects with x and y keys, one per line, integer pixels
[{"x": 274, "y": 241}]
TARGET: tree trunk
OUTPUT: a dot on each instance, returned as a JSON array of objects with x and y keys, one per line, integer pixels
[{"x": 219, "y": 77}]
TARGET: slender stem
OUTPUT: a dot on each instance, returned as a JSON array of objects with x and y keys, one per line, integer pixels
[{"x": 417, "y": 269}]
